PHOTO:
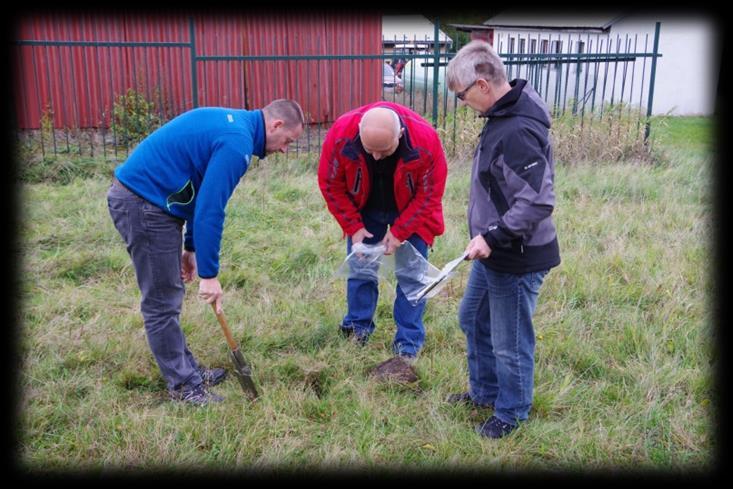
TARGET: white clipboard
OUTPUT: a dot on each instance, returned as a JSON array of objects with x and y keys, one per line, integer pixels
[{"x": 442, "y": 277}]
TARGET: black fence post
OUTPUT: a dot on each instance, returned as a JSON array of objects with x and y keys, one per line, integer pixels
[
  {"x": 647, "y": 125},
  {"x": 436, "y": 67},
  {"x": 194, "y": 80}
]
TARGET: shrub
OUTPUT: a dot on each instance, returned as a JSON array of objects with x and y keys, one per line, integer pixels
[
  {"x": 133, "y": 116},
  {"x": 613, "y": 133}
]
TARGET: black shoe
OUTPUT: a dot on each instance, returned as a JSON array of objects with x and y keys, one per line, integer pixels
[
  {"x": 495, "y": 428},
  {"x": 212, "y": 376},
  {"x": 199, "y": 395},
  {"x": 465, "y": 398},
  {"x": 360, "y": 339},
  {"x": 351, "y": 334},
  {"x": 346, "y": 332}
]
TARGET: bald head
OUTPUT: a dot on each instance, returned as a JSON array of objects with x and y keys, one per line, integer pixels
[{"x": 380, "y": 132}]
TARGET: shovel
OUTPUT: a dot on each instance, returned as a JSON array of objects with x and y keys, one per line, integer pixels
[{"x": 242, "y": 370}]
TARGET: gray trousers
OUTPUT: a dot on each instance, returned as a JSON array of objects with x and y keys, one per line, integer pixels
[{"x": 154, "y": 241}]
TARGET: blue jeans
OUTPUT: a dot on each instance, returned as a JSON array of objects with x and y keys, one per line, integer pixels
[
  {"x": 496, "y": 316},
  {"x": 362, "y": 295},
  {"x": 154, "y": 242}
]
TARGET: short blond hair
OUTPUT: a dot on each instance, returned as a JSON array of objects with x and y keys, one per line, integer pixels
[{"x": 287, "y": 110}]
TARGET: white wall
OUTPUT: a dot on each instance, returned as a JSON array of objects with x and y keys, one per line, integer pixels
[
  {"x": 687, "y": 73},
  {"x": 406, "y": 28}
]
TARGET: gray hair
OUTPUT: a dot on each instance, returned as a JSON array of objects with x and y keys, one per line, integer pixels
[
  {"x": 477, "y": 59},
  {"x": 287, "y": 110}
]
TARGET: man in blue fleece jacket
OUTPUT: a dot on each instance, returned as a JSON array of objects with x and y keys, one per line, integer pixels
[
  {"x": 513, "y": 239},
  {"x": 185, "y": 173}
]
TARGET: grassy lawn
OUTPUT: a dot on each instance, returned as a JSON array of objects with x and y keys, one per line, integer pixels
[{"x": 625, "y": 337}]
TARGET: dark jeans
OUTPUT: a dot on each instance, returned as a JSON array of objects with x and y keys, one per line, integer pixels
[
  {"x": 154, "y": 242},
  {"x": 496, "y": 316},
  {"x": 362, "y": 295}
]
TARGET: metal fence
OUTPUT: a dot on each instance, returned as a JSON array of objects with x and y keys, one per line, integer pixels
[{"x": 579, "y": 76}]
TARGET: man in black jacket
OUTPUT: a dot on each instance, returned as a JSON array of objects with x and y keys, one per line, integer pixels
[{"x": 513, "y": 239}]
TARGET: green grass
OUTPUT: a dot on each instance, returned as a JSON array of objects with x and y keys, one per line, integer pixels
[{"x": 624, "y": 335}]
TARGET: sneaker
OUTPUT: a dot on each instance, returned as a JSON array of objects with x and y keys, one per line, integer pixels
[
  {"x": 495, "y": 428},
  {"x": 212, "y": 376},
  {"x": 465, "y": 398},
  {"x": 396, "y": 369},
  {"x": 198, "y": 395}
]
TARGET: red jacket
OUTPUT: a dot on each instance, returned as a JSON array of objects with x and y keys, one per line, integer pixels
[{"x": 419, "y": 178}]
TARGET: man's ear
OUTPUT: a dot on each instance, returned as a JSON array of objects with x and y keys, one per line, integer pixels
[{"x": 277, "y": 123}]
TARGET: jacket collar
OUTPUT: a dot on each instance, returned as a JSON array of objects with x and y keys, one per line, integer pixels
[
  {"x": 509, "y": 98},
  {"x": 259, "y": 136}
]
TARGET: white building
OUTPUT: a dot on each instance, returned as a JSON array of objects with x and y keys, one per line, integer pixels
[
  {"x": 686, "y": 74},
  {"x": 411, "y": 29}
]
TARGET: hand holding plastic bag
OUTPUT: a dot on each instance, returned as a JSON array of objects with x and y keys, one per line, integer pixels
[{"x": 365, "y": 263}]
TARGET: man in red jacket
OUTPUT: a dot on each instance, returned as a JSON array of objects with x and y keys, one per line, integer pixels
[{"x": 382, "y": 172}]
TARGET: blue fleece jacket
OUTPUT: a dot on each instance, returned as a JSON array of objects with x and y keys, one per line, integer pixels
[{"x": 190, "y": 166}]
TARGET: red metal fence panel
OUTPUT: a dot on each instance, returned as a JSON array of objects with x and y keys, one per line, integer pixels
[{"x": 76, "y": 86}]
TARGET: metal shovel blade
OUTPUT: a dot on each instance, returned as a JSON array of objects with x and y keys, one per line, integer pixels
[
  {"x": 241, "y": 368},
  {"x": 243, "y": 373}
]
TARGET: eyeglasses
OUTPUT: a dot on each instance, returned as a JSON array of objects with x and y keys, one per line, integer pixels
[{"x": 462, "y": 94}]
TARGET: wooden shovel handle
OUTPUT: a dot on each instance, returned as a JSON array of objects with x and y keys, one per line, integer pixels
[{"x": 227, "y": 332}]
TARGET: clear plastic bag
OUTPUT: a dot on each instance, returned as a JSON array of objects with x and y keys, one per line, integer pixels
[
  {"x": 437, "y": 284},
  {"x": 417, "y": 277},
  {"x": 413, "y": 272},
  {"x": 365, "y": 263}
]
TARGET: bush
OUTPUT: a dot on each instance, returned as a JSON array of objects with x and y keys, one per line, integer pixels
[
  {"x": 134, "y": 117},
  {"x": 613, "y": 133},
  {"x": 460, "y": 141},
  {"x": 616, "y": 134}
]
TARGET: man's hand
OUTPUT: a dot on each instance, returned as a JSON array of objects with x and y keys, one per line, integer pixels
[
  {"x": 390, "y": 243},
  {"x": 360, "y": 235},
  {"x": 478, "y": 248},
  {"x": 188, "y": 265},
  {"x": 210, "y": 291}
]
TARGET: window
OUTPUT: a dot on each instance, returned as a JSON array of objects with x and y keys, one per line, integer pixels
[
  {"x": 580, "y": 49},
  {"x": 557, "y": 49}
]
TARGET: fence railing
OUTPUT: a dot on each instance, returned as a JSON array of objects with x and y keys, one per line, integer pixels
[{"x": 583, "y": 83}]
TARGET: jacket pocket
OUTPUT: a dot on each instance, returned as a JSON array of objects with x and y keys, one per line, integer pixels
[
  {"x": 357, "y": 182},
  {"x": 410, "y": 184}
]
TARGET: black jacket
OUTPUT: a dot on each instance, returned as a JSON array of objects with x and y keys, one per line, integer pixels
[{"x": 512, "y": 195}]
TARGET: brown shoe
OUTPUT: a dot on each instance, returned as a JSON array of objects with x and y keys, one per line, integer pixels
[{"x": 396, "y": 369}]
